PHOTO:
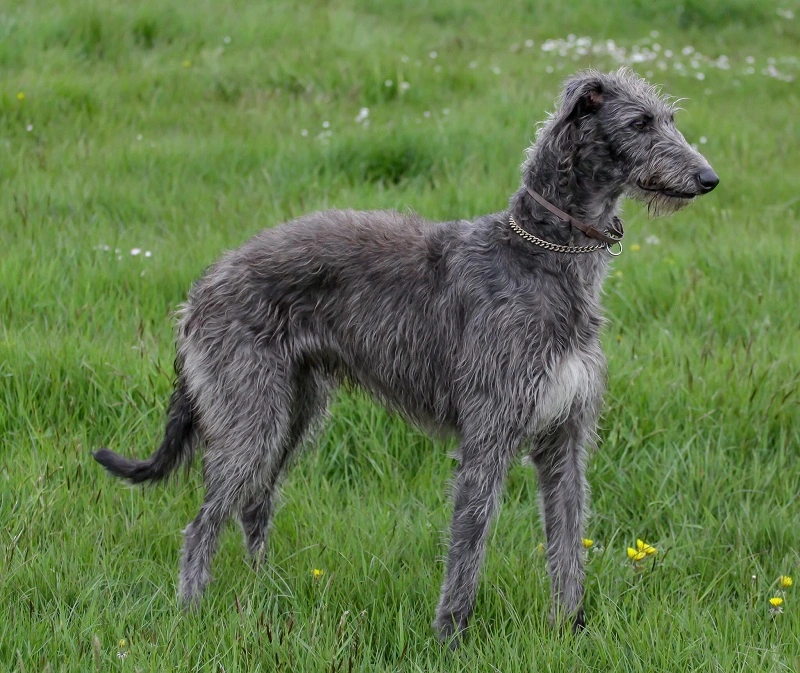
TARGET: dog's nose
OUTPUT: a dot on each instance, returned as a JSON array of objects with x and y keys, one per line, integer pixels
[{"x": 708, "y": 179}]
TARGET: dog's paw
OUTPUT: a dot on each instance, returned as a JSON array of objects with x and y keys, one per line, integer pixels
[
  {"x": 450, "y": 629},
  {"x": 574, "y": 621},
  {"x": 189, "y": 605},
  {"x": 579, "y": 621}
]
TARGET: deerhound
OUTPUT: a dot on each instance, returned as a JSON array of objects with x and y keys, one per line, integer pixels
[{"x": 488, "y": 329}]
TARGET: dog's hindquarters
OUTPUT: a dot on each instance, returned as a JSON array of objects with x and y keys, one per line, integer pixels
[
  {"x": 256, "y": 398},
  {"x": 309, "y": 402}
]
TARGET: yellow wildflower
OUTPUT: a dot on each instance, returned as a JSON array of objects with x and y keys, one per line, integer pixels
[
  {"x": 187, "y": 63},
  {"x": 635, "y": 247},
  {"x": 636, "y": 556},
  {"x": 317, "y": 574},
  {"x": 123, "y": 644},
  {"x": 648, "y": 549},
  {"x": 785, "y": 581},
  {"x": 540, "y": 548},
  {"x": 776, "y": 602},
  {"x": 587, "y": 542},
  {"x": 20, "y": 96}
]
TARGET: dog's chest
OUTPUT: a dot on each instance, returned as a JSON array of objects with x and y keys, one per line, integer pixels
[{"x": 573, "y": 380}]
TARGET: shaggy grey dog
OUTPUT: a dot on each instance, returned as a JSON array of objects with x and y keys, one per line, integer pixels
[{"x": 488, "y": 329}]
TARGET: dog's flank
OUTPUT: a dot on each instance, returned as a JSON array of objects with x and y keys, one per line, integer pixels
[{"x": 463, "y": 326}]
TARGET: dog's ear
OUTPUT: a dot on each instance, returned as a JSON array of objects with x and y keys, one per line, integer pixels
[{"x": 583, "y": 95}]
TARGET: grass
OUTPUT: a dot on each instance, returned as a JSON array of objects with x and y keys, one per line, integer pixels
[{"x": 178, "y": 129}]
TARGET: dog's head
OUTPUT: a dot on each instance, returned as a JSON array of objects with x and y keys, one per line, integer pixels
[{"x": 621, "y": 131}]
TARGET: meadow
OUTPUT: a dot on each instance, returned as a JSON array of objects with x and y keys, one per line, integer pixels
[{"x": 141, "y": 140}]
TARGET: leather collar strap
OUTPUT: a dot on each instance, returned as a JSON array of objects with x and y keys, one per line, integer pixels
[{"x": 611, "y": 236}]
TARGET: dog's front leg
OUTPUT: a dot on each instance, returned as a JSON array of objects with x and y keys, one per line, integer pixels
[
  {"x": 478, "y": 484},
  {"x": 560, "y": 462}
]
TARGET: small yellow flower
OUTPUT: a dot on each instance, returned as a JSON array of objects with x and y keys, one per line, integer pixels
[
  {"x": 776, "y": 602},
  {"x": 587, "y": 542},
  {"x": 187, "y": 63},
  {"x": 636, "y": 556},
  {"x": 122, "y": 653},
  {"x": 618, "y": 274},
  {"x": 785, "y": 581},
  {"x": 648, "y": 549},
  {"x": 635, "y": 247},
  {"x": 317, "y": 574},
  {"x": 540, "y": 548},
  {"x": 20, "y": 96}
]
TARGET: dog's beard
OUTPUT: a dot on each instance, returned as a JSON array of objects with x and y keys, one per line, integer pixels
[{"x": 659, "y": 204}]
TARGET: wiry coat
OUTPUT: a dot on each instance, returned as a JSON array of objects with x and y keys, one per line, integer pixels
[{"x": 463, "y": 327}]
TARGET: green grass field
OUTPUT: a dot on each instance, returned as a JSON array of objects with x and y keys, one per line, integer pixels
[{"x": 178, "y": 130}]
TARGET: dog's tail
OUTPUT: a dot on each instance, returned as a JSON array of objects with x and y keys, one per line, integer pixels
[{"x": 178, "y": 446}]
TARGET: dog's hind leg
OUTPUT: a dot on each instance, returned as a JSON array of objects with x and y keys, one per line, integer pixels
[
  {"x": 560, "y": 462},
  {"x": 245, "y": 420},
  {"x": 484, "y": 462},
  {"x": 309, "y": 401}
]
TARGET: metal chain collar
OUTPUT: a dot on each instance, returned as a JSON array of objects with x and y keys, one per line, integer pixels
[{"x": 556, "y": 247}]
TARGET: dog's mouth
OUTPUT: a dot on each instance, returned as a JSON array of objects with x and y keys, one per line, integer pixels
[{"x": 665, "y": 191}]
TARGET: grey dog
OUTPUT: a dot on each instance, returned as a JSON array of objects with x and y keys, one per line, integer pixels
[{"x": 487, "y": 329}]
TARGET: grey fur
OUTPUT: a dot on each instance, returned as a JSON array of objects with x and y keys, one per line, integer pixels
[{"x": 461, "y": 326}]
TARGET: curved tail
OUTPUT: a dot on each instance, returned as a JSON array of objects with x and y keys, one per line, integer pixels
[{"x": 177, "y": 447}]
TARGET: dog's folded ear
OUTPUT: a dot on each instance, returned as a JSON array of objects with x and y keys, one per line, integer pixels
[{"x": 583, "y": 96}]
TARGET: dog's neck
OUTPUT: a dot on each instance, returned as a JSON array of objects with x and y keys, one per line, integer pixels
[{"x": 585, "y": 196}]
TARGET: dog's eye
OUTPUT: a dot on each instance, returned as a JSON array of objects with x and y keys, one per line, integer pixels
[{"x": 642, "y": 124}]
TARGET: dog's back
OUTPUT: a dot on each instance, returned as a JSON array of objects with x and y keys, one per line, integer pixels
[{"x": 358, "y": 294}]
